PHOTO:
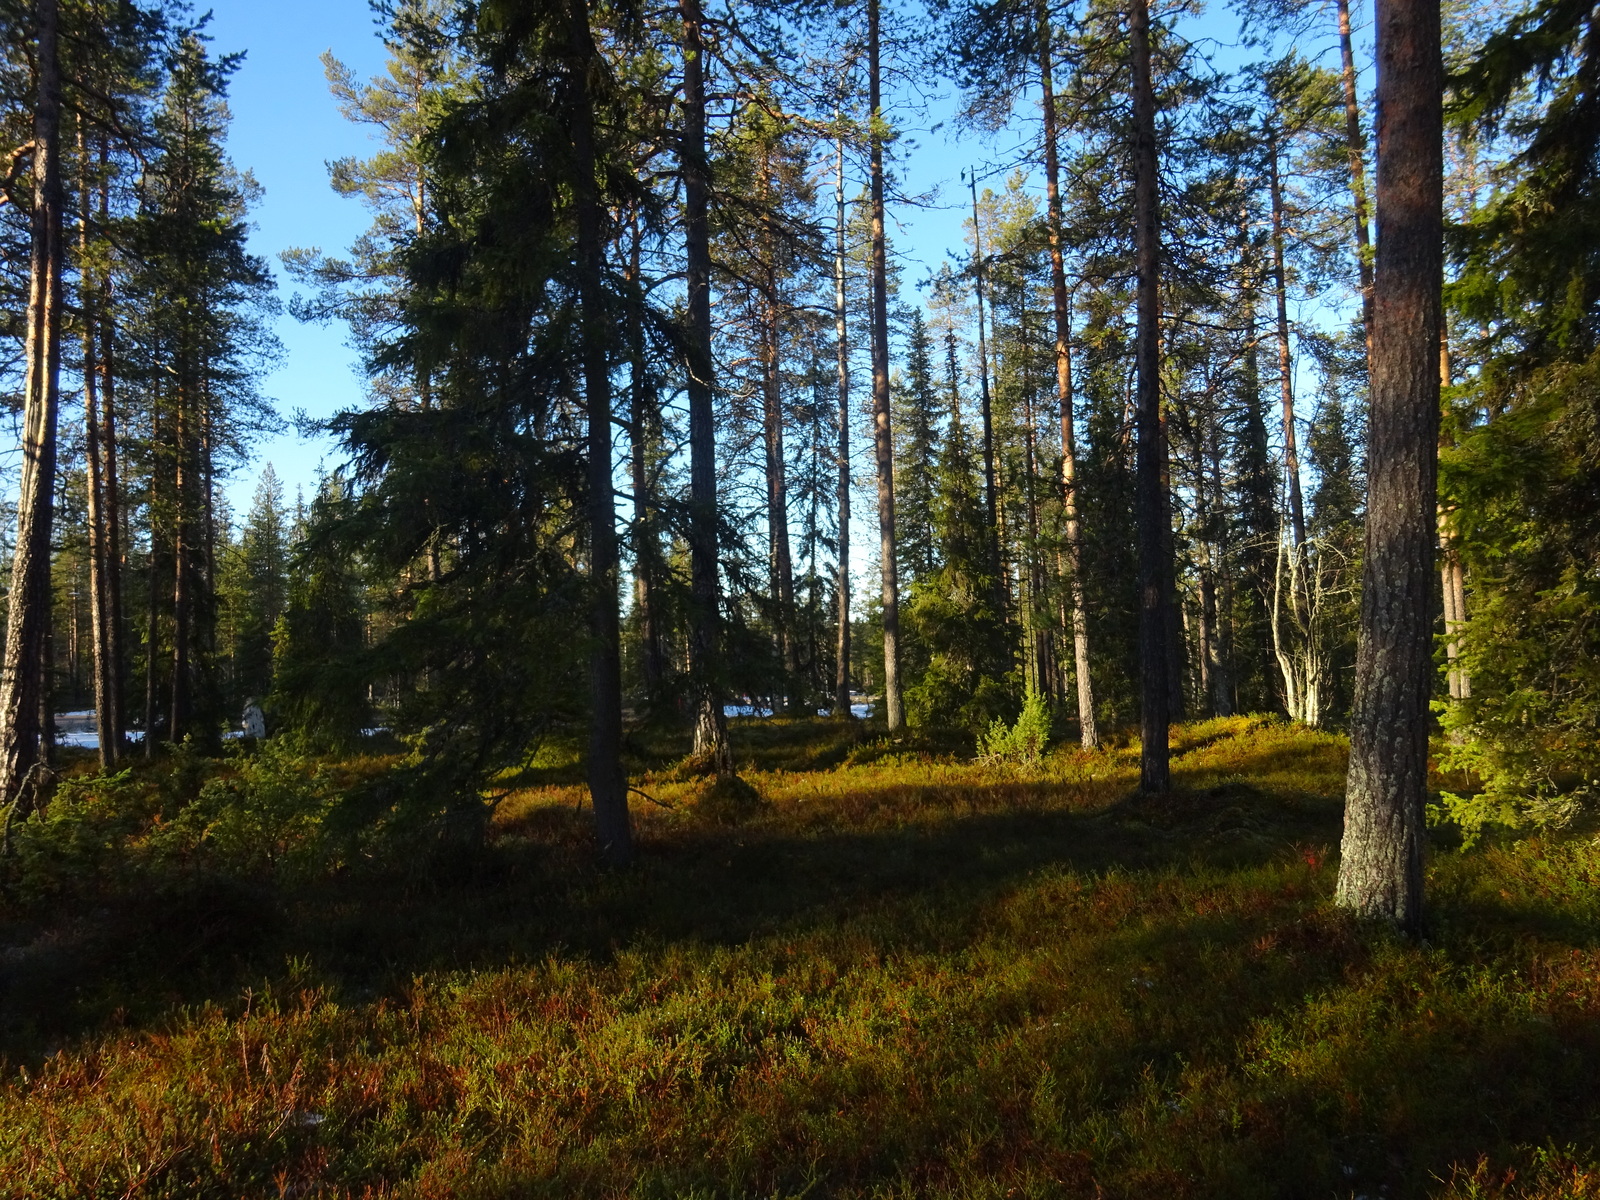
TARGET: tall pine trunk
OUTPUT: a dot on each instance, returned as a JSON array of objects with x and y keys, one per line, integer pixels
[
  {"x": 89, "y": 292},
  {"x": 1154, "y": 516},
  {"x": 1380, "y": 870},
  {"x": 116, "y": 722},
  {"x": 841, "y": 682},
  {"x": 24, "y": 683},
  {"x": 608, "y": 782},
  {"x": 882, "y": 435},
  {"x": 711, "y": 725},
  {"x": 1088, "y": 731}
]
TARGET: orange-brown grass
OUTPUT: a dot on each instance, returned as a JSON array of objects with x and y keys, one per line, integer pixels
[{"x": 903, "y": 975}]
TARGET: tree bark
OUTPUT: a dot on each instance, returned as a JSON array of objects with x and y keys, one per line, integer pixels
[
  {"x": 1380, "y": 872},
  {"x": 1089, "y": 733},
  {"x": 841, "y": 685},
  {"x": 608, "y": 782},
  {"x": 99, "y": 585},
  {"x": 116, "y": 723},
  {"x": 883, "y": 438},
  {"x": 711, "y": 725},
  {"x": 1154, "y": 507},
  {"x": 641, "y": 429},
  {"x": 1356, "y": 143},
  {"x": 1291, "y": 455},
  {"x": 24, "y": 686},
  {"x": 990, "y": 492}
]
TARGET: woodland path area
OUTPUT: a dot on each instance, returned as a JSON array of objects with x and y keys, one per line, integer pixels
[{"x": 898, "y": 972}]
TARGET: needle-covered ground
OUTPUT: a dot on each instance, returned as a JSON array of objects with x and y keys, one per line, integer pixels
[{"x": 899, "y": 973}]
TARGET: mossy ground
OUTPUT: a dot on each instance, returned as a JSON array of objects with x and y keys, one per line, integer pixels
[{"x": 901, "y": 974}]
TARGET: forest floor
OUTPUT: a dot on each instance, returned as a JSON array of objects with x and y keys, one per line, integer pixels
[{"x": 904, "y": 974}]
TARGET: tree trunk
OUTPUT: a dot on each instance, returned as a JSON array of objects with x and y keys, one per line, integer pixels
[
  {"x": 116, "y": 658},
  {"x": 641, "y": 430},
  {"x": 24, "y": 686},
  {"x": 1088, "y": 732},
  {"x": 990, "y": 495},
  {"x": 1380, "y": 872},
  {"x": 1153, "y": 503},
  {"x": 608, "y": 782},
  {"x": 711, "y": 725},
  {"x": 1291, "y": 457},
  {"x": 883, "y": 438},
  {"x": 99, "y": 586},
  {"x": 780, "y": 561},
  {"x": 1356, "y": 143},
  {"x": 841, "y": 684}
]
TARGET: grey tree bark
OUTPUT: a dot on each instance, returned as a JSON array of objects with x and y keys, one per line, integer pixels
[
  {"x": 24, "y": 686},
  {"x": 1380, "y": 870},
  {"x": 882, "y": 436}
]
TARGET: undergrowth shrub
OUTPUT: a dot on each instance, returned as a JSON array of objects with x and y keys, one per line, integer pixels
[
  {"x": 255, "y": 814},
  {"x": 1022, "y": 744}
]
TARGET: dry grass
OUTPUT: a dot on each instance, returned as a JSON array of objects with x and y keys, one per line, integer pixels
[{"x": 901, "y": 975}]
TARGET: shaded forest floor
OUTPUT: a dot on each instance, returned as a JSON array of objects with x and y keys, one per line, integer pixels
[{"x": 904, "y": 974}]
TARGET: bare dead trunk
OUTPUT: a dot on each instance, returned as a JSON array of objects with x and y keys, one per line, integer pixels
[
  {"x": 711, "y": 726},
  {"x": 1089, "y": 733},
  {"x": 24, "y": 686},
  {"x": 1380, "y": 872},
  {"x": 841, "y": 683},
  {"x": 1154, "y": 513},
  {"x": 608, "y": 781},
  {"x": 883, "y": 438}
]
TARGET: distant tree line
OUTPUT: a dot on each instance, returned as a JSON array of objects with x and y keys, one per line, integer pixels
[{"x": 1159, "y": 445}]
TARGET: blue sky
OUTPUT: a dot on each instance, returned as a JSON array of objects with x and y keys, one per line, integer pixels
[{"x": 285, "y": 128}]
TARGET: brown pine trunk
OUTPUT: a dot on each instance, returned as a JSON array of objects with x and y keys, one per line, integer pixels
[
  {"x": 24, "y": 683},
  {"x": 1088, "y": 731},
  {"x": 1154, "y": 512},
  {"x": 608, "y": 782},
  {"x": 711, "y": 726},
  {"x": 99, "y": 586},
  {"x": 1356, "y": 144},
  {"x": 115, "y": 653},
  {"x": 1380, "y": 872},
  {"x": 841, "y": 681},
  {"x": 883, "y": 438}
]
